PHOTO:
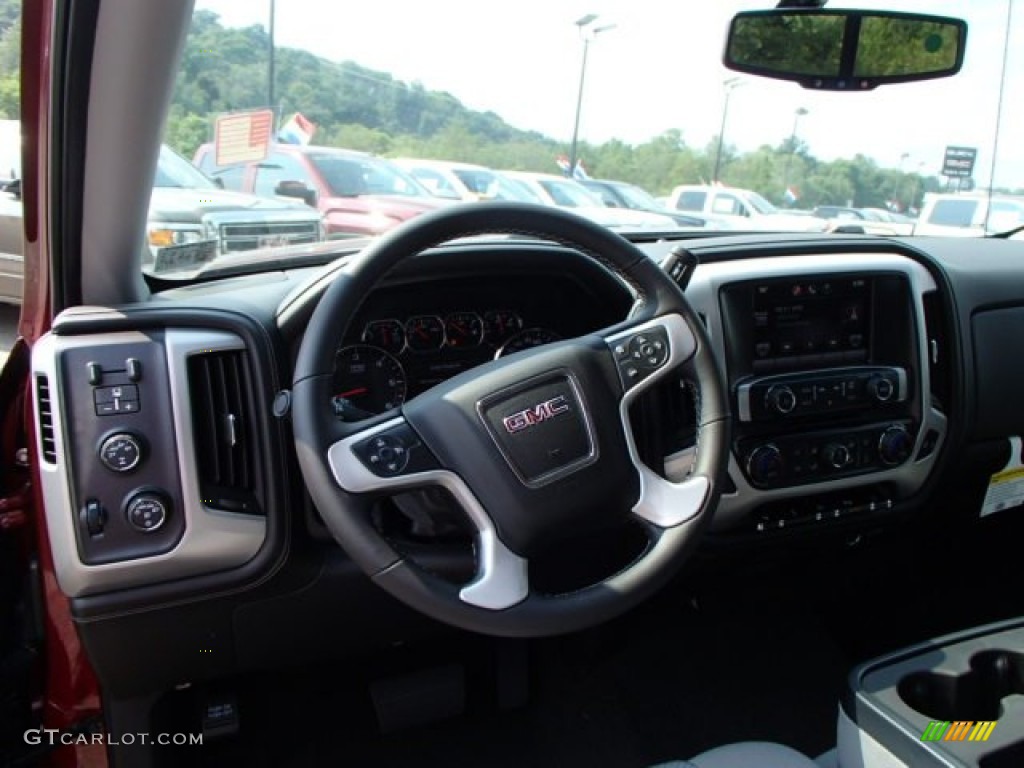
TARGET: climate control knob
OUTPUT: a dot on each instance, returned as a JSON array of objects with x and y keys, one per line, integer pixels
[
  {"x": 780, "y": 399},
  {"x": 765, "y": 464},
  {"x": 895, "y": 445},
  {"x": 837, "y": 455},
  {"x": 881, "y": 389}
]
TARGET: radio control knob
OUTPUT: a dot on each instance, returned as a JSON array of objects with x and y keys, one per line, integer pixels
[
  {"x": 780, "y": 399},
  {"x": 895, "y": 445},
  {"x": 837, "y": 455},
  {"x": 765, "y": 464},
  {"x": 881, "y": 388}
]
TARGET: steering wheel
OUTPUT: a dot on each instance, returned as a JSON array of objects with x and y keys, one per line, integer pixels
[{"x": 532, "y": 447}]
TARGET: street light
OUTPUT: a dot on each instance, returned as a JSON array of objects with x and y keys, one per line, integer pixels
[
  {"x": 729, "y": 84},
  {"x": 270, "y": 59},
  {"x": 587, "y": 33},
  {"x": 800, "y": 112}
]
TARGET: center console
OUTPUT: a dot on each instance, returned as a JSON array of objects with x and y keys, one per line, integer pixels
[
  {"x": 828, "y": 363},
  {"x": 955, "y": 701}
]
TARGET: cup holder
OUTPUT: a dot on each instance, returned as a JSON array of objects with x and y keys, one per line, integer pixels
[{"x": 974, "y": 695}]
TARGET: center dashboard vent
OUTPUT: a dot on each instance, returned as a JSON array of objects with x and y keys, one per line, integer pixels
[{"x": 222, "y": 394}]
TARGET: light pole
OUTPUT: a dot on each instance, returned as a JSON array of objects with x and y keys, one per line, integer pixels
[
  {"x": 800, "y": 112},
  {"x": 270, "y": 59},
  {"x": 729, "y": 85},
  {"x": 587, "y": 33}
]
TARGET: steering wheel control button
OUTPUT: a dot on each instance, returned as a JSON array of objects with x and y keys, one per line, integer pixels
[
  {"x": 116, "y": 400},
  {"x": 147, "y": 512},
  {"x": 541, "y": 428},
  {"x": 121, "y": 452},
  {"x": 640, "y": 355},
  {"x": 388, "y": 455},
  {"x": 394, "y": 452}
]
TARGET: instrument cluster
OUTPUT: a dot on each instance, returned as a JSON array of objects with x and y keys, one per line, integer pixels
[{"x": 396, "y": 358}]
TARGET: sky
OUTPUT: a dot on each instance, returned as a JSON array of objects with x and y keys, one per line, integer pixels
[{"x": 659, "y": 68}]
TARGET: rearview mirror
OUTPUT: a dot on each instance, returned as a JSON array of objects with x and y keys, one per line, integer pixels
[{"x": 845, "y": 50}]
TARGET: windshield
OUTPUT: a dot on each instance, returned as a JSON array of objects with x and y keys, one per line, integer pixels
[
  {"x": 511, "y": 96},
  {"x": 172, "y": 170}
]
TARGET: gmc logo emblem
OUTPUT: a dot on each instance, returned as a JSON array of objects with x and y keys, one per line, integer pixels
[{"x": 529, "y": 417}]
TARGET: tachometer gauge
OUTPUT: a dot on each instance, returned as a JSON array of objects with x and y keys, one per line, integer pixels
[
  {"x": 424, "y": 333},
  {"x": 499, "y": 324},
  {"x": 531, "y": 337},
  {"x": 367, "y": 381},
  {"x": 389, "y": 335},
  {"x": 463, "y": 330}
]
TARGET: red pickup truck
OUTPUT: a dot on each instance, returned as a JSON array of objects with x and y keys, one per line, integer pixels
[{"x": 359, "y": 194}]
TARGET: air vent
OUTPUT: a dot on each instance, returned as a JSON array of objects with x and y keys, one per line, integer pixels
[
  {"x": 224, "y": 425},
  {"x": 938, "y": 351},
  {"x": 46, "y": 434}
]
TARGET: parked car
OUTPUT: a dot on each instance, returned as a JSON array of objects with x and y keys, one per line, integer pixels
[
  {"x": 622, "y": 194},
  {"x": 744, "y": 208},
  {"x": 871, "y": 221},
  {"x": 192, "y": 221},
  {"x": 462, "y": 181},
  {"x": 969, "y": 215},
  {"x": 568, "y": 193},
  {"x": 358, "y": 193}
]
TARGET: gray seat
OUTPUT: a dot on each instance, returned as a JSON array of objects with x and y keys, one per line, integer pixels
[{"x": 747, "y": 754}]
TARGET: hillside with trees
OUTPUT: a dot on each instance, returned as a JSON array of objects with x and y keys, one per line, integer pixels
[{"x": 225, "y": 69}]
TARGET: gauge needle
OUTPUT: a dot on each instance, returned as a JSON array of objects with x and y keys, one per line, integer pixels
[{"x": 353, "y": 392}]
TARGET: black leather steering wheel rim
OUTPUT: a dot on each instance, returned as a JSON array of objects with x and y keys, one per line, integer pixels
[{"x": 319, "y": 436}]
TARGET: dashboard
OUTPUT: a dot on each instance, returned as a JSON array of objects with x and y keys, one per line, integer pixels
[{"x": 857, "y": 370}]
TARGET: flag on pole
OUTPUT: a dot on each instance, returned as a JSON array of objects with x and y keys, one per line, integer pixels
[
  {"x": 298, "y": 130},
  {"x": 791, "y": 195},
  {"x": 580, "y": 173}
]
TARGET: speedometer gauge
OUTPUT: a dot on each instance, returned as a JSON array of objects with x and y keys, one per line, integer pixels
[
  {"x": 367, "y": 381},
  {"x": 531, "y": 337}
]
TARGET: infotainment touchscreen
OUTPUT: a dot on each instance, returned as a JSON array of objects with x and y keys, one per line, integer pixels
[{"x": 824, "y": 321}]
